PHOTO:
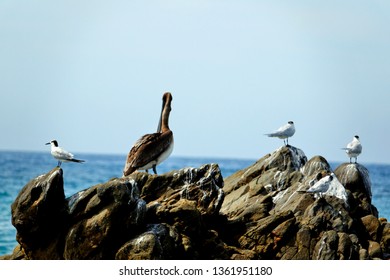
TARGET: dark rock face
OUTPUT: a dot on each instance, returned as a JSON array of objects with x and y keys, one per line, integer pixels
[
  {"x": 260, "y": 212},
  {"x": 38, "y": 214}
]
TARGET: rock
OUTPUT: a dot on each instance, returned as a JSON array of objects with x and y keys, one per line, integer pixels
[
  {"x": 39, "y": 214},
  {"x": 374, "y": 250},
  {"x": 385, "y": 240},
  {"x": 101, "y": 219},
  {"x": 372, "y": 226},
  {"x": 355, "y": 178},
  {"x": 260, "y": 212},
  {"x": 326, "y": 247},
  {"x": 157, "y": 243}
]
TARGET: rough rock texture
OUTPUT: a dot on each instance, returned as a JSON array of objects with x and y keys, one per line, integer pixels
[{"x": 260, "y": 212}]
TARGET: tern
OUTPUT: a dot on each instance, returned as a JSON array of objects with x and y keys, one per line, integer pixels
[
  {"x": 321, "y": 186},
  {"x": 353, "y": 149},
  {"x": 152, "y": 149},
  {"x": 284, "y": 132},
  {"x": 60, "y": 154}
]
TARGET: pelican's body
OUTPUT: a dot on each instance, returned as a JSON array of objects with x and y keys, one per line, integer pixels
[
  {"x": 152, "y": 149},
  {"x": 284, "y": 132},
  {"x": 354, "y": 148},
  {"x": 60, "y": 154}
]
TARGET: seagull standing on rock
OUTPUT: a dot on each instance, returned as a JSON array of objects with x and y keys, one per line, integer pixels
[
  {"x": 284, "y": 132},
  {"x": 353, "y": 149},
  {"x": 60, "y": 154}
]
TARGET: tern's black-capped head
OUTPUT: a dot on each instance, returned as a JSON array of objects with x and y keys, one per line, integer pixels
[
  {"x": 55, "y": 143},
  {"x": 291, "y": 122},
  {"x": 330, "y": 177},
  {"x": 357, "y": 137}
]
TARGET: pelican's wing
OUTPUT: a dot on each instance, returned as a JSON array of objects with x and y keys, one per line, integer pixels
[{"x": 147, "y": 149}]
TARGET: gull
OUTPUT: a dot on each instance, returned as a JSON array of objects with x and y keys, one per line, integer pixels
[
  {"x": 60, "y": 154},
  {"x": 321, "y": 186},
  {"x": 284, "y": 132},
  {"x": 353, "y": 149},
  {"x": 152, "y": 149}
]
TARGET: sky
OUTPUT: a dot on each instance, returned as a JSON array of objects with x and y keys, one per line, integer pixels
[{"x": 91, "y": 74}]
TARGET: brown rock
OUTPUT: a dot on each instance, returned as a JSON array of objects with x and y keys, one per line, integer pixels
[
  {"x": 39, "y": 214},
  {"x": 374, "y": 249},
  {"x": 156, "y": 243},
  {"x": 373, "y": 227},
  {"x": 355, "y": 178},
  {"x": 101, "y": 218}
]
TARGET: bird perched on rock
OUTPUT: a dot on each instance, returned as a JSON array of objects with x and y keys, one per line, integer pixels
[
  {"x": 284, "y": 132},
  {"x": 60, "y": 154},
  {"x": 321, "y": 186},
  {"x": 353, "y": 149},
  {"x": 152, "y": 149}
]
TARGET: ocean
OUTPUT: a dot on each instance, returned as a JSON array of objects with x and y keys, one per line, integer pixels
[{"x": 18, "y": 168}]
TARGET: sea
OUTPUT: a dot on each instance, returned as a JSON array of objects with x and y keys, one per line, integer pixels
[{"x": 18, "y": 168}]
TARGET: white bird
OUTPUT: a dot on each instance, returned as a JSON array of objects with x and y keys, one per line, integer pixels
[
  {"x": 284, "y": 132},
  {"x": 60, "y": 154},
  {"x": 321, "y": 186},
  {"x": 353, "y": 149}
]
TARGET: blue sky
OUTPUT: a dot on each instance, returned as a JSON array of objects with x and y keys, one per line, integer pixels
[{"x": 91, "y": 74}]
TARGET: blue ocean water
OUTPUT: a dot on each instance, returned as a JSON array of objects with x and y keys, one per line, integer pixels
[{"x": 18, "y": 168}]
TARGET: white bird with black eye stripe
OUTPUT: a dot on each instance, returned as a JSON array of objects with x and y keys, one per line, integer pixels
[{"x": 60, "y": 154}]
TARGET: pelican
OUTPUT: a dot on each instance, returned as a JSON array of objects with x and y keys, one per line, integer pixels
[
  {"x": 60, "y": 154},
  {"x": 284, "y": 132},
  {"x": 353, "y": 149},
  {"x": 152, "y": 149}
]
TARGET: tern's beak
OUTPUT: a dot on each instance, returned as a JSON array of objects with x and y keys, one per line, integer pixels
[{"x": 48, "y": 143}]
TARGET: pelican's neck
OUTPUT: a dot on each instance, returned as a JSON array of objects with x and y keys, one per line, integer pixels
[{"x": 164, "y": 117}]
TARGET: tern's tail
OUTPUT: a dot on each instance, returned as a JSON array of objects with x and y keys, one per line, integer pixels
[
  {"x": 271, "y": 134},
  {"x": 77, "y": 160}
]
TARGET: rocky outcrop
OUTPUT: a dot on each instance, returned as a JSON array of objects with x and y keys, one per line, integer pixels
[
  {"x": 282, "y": 221},
  {"x": 260, "y": 212}
]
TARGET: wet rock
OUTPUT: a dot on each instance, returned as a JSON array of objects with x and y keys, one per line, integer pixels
[
  {"x": 39, "y": 213},
  {"x": 158, "y": 242},
  {"x": 202, "y": 185},
  {"x": 101, "y": 219}
]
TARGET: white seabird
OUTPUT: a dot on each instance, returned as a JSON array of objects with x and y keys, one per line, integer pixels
[
  {"x": 321, "y": 186},
  {"x": 353, "y": 149},
  {"x": 284, "y": 132},
  {"x": 60, "y": 154}
]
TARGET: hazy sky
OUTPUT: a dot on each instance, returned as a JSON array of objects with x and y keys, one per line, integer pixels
[{"x": 91, "y": 74}]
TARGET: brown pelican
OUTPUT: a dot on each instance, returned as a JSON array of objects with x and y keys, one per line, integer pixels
[{"x": 152, "y": 149}]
